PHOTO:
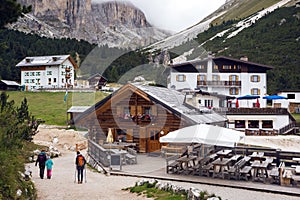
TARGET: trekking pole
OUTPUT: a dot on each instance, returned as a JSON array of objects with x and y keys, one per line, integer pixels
[
  {"x": 85, "y": 175},
  {"x": 75, "y": 175}
]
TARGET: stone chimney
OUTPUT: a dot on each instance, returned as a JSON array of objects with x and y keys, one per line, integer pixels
[{"x": 244, "y": 58}]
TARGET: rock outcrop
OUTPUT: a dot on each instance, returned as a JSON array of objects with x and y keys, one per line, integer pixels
[{"x": 110, "y": 23}]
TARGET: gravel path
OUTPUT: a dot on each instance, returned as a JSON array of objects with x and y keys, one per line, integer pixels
[{"x": 100, "y": 186}]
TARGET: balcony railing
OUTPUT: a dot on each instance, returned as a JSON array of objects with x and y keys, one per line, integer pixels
[
  {"x": 247, "y": 111},
  {"x": 219, "y": 83}
]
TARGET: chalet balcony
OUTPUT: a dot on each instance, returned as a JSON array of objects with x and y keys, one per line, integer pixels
[
  {"x": 68, "y": 69},
  {"x": 68, "y": 76},
  {"x": 249, "y": 111},
  {"x": 139, "y": 119},
  {"x": 219, "y": 83}
]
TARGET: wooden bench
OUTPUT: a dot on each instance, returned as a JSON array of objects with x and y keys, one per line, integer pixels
[
  {"x": 206, "y": 169},
  {"x": 234, "y": 171},
  {"x": 245, "y": 172},
  {"x": 172, "y": 165},
  {"x": 131, "y": 156}
]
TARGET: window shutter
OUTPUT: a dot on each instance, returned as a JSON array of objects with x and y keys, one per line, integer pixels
[
  {"x": 230, "y": 78},
  {"x": 177, "y": 78},
  {"x": 198, "y": 77},
  {"x": 236, "y": 91},
  {"x": 236, "y": 78},
  {"x": 219, "y": 77},
  {"x": 231, "y": 91},
  {"x": 258, "y": 78},
  {"x": 252, "y": 91},
  {"x": 258, "y": 91},
  {"x": 252, "y": 78},
  {"x": 140, "y": 110},
  {"x": 204, "y": 77},
  {"x": 184, "y": 77},
  {"x": 132, "y": 110}
]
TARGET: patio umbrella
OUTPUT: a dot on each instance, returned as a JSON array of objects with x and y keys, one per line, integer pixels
[
  {"x": 204, "y": 134},
  {"x": 257, "y": 105},
  {"x": 274, "y": 97},
  {"x": 110, "y": 137},
  {"x": 237, "y": 103},
  {"x": 247, "y": 97}
]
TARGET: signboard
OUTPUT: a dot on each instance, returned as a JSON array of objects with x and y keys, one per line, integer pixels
[{"x": 115, "y": 160}]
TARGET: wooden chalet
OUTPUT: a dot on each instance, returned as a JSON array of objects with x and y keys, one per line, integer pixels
[
  {"x": 142, "y": 114},
  {"x": 97, "y": 81}
]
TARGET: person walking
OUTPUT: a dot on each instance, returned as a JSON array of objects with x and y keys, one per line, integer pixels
[
  {"x": 49, "y": 165},
  {"x": 80, "y": 164},
  {"x": 41, "y": 159}
]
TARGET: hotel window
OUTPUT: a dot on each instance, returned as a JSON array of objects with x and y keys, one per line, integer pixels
[
  {"x": 255, "y": 91},
  {"x": 291, "y": 96},
  {"x": 26, "y": 73},
  {"x": 208, "y": 103},
  {"x": 255, "y": 78},
  {"x": 49, "y": 73},
  {"x": 38, "y": 73},
  {"x": 267, "y": 124},
  {"x": 54, "y": 80},
  {"x": 239, "y": 124},
  {"x": 226, "y": 66},
  {"x": 201, "y": 78},
  {"x": 200, "y": 67},
  {"x": 63, "y": 80},
  {"x": 31, "y": 73},
  {"x": 26, "y": 81},
  {"x": 233, "y": 91},
  {"x": 233, "y": 78},
  {"x": 253, "y": 124},
  {"x": 215, "y": 77},
  {"x": 180, "y": 78},
  {"x": 216, "y": 67},
  {"x": 32, "y": 80},
  {"x": 38, "y": 81},
  {"x": 49, "y": 81}
]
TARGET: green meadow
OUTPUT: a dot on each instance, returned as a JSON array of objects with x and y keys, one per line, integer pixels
[{"x": 50, "y": 106}]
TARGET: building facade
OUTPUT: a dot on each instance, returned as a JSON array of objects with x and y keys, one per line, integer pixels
[
  {"x": 222, "y": 75},
  {"x": 142, "y": 114},
  {"x": 57, "y": 71}
]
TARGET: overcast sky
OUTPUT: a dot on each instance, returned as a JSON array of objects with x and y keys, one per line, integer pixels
[{"x": 175, "y": 15}]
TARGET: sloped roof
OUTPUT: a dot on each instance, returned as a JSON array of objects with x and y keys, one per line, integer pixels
[
  {"x": 52, "y": 60},
  {"x": 174, "y": 101},
  {"x": 78, "y": 109},
  {"x": 10, "y": 83},
  {"x": 170, "y": 99}
]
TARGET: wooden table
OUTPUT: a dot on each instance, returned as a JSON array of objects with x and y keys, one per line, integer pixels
[
  {"x": 186, "y": 162},
  {"x": 220, "y": 165},
  {"x": 260, "y": 170},
  {"x": 257, "y": 155},
  {"x": 223, "y": 153}
]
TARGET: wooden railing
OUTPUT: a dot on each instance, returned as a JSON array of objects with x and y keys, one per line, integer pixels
[
  {"x": 246, "y": 111},
  {"x": 98, "y": 153}
]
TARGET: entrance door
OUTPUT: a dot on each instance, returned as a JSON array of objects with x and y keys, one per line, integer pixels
[{"x": 153, "y": 143}]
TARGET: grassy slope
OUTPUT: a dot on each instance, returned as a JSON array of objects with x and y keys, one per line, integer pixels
[
  {"x": 246, "y": 9},
  {"x": 50, "y": 106}
]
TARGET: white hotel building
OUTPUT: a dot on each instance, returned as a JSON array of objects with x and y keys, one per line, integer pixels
[
  {"x": 40, "y": 72},
  {"x": 221, "y": 75}
]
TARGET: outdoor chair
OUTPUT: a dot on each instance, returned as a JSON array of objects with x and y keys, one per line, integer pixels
[{"x": 131, "y": 156}]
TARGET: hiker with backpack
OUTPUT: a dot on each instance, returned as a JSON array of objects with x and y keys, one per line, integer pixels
[
  {"x": 41, "y": 159},
  {"x": 80, "y": 164}
]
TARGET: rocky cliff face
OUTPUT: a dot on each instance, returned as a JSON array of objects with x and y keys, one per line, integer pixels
[{"x": 111, "y": 23}]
